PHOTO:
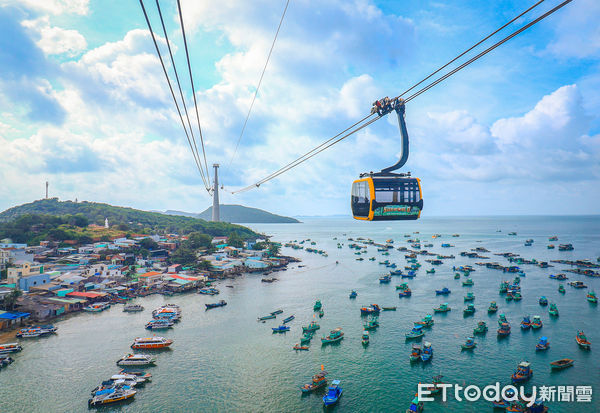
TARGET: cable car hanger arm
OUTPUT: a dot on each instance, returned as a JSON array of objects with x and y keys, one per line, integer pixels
[{"x": 384, "y": 106}]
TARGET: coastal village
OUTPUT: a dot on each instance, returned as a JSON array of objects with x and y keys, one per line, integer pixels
[{"x": 52, "y": 279}]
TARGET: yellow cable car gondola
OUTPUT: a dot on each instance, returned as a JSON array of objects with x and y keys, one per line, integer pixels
[{"x": 387, "y": 196}]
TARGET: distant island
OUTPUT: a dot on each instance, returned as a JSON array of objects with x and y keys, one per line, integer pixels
[{"x": 239, "y": 214}]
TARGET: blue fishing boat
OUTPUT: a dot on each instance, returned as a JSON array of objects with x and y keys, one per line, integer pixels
[
  {"x": 523, "y": 372},
  {"x": 427, "y": 352},
  {"x": 280, "y": 329},
  {"x": 287, "y": 320},
  {"x": 543, "y": 301},
  {"x": 267, "y": 317},
  {"x": 526, "y": 323},
  {"x": 409, "y": 274},
  {"x": 396, "y": 272},
  {"x": 333, "y": 393},
  {"x": 221, "y": 303},
  {"x": 353, "y": 294},
  {"x": 371, "y": 309},
  {"x": 416, "y": 332},
  {"x": 443, "y": 291},
  {"x": 469, "y": 344},
  {"x": 543, "y": 344},
  {"x": 405, "y": 293},
  {"x": 537, "y": 322},
  {"x": 385, "y": 279},
  {"x": 415, "y": 406}
]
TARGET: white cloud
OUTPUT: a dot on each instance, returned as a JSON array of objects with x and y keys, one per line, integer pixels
[
  {"x": 577, "y": 30},
  {"x": 55, "y": 40},
  {"x": 54, "y": 7}
]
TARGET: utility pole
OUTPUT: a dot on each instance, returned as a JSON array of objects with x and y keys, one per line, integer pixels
[
  {"x": 46, "y": 189},
  {"x": 215, "y": 208}
]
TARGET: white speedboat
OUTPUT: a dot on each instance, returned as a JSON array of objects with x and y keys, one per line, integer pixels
[{"x": 136, "y": 360}]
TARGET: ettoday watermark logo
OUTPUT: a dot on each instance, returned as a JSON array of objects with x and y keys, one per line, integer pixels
[{"x": 495, "y": 393}]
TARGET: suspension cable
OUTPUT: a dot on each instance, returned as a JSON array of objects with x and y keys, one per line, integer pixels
[
  {"x": 170, "y": 87},
  {"x": 259, "y": 83},
  {"x": 192, "y": 83},
  {"x": 196, "y": 154},
  {"x": 329, "y": 143}
]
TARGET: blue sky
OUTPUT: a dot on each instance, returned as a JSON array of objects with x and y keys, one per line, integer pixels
[{"x": 84, "y": 103}]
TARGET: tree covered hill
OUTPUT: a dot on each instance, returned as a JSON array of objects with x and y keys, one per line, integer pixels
[
  {"x": 240, "y": 214},
  {"x": 42, "y": 218}
]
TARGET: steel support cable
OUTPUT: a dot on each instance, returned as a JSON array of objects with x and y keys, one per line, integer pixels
[
  {"x": 422, "y": 90},
  {"x": 196, "y": 153},
  {"x": 187, "y": 55},
  {"x": 486, "y": 51},
  {"x": 259, "y": 83},
  {"x": 292, "y": 164},
  {"x": 471, "y": 48},
  {"x": 171, "y": 88}
]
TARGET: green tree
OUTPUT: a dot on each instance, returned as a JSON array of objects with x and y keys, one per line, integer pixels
[
  {"x": 11, "y": 299},
  {"x": 148, "y": 244},
  {"x": 183, "y": 256},
  {"x": 235, "y": 240},
  {"x": 259, "y": 246},
  {"x": 198, "y": 240},
  {"x": 273, "y": 250},
  {"x": 205, "y": 265}
]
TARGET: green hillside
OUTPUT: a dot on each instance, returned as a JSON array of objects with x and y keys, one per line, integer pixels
[{"x": 240, "y": 214}]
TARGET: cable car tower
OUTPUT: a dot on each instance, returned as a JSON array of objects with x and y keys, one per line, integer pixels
[{"x": 215, "y": 208}]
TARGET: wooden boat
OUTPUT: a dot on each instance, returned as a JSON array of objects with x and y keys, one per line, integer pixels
[
  {"x": 553, "y": 238},
  {"x": 469, "y": 344},
  {"x": 388, "y": 308},
  {"x": 443, "y": 308},
  {"x": 371, "y": 324},
  {"x": 334, "y": 336},
  {"x": 416, "y": 332},
  {"x": 561, "y": 289},
  {"x": 267, "y": 317},
  {"x": 592, "y": 298},
  {"x": 415, "y": 406},
  {"x": 132, "y": 308},
  {"x": 481, "y": 328},
  {"x": 415, "y": 354},
  {"x": 208, "y": 291},
  {"x": 5, "y": 361},
  {"x": 372, "y": 309},
  {"x": 151, "y": 343},
  {"x": 553, "y": 310},
  {"x": 317, "y": 305},
  {"x": 136, "y": 360},
  {"x": 431, "y": 271},
  {"x": 543, "y": 301},
  {"x": 537, "y": 322},
  {"x": 276, "y": 312},
  {"x": 427, "y": 352},
  {"x": 353, "y": 294},
  {"x": 526, "y": 323},
  {"x": 306, "y": 337},
  {"x": 561, "y": 364},
  {"x": 565, "y": 247},
  {"x": 288, "y": 319},
  {"x": 405, "y": 293},
  {"x": 221, "y": 303},
  {"x": 365, "y": 338},
  {"x": 502, "y": 319},
  {"x": 468, "y": 282},
  {"x": 543, "y": 344},
  {"x": 550, "y": 246},
  {"x": 523, "y": 372},
  {"x": 318, "y": 380},
  {"x": 313, "y": 326},
  {"x": 385, "y": 279},
  {"x": 582, "y": 340},
  {"x": 280, "y": 329},
  {"x": 469, "y": 310},
  {"x": 443, "y": 291},
  {"x": 111, "y": 396},
  {"x": 457, "y": 276},
  {"x": 333, "y": 393},
  {"x": 504, "y": 330},
  {"x": 300, "y": 347},
  {"x": 426, "y": 321},
  {"x": 321, "y": 313},
  {"x": 469, "y": 297},
  {"x": 403, "y": 286},
  {"x": 493, "y": 307}
]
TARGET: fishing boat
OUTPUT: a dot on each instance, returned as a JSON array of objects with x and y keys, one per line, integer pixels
[
  {"x": 517, "y": 296},
  {"x": 523, "y": 372},
  {"x": 537, "y": 322},
  {"x": 111, "y": 396},
  {"x": 372, "y": 309},
  {"x": 427, "y": 352},
  {"x": 267, "y": 317},
  {"x": 565, "y": 247},
  {"x": 542, "y": 344},
  {"x": 561, "y": 289},
  {"x": 318, "y": 380},
  {"x": 405, "y": 293},
  {"x": 334, "y": 336},
  {"x": 409, "y": 274},
  {"x": 561, "y": 364},
  {"x": 276, "y": 312},
  {"x": 504, "y": 330},
  {"x": 208, "y": 291},
  {"x": 469, "y": 344},
  {"x": 469, "y": 310},
  {"x": 136, "y": 360},
  {"x": 493, "y": 307},
  {"x": 97, "y": 307},
  {"x": 313, "y": 326},
  {"x": 503, "y": 287},
  {"x": 415, "y": 354},
  {"x": 481, "y": 328},
  {"x": 385, "y": 279},
  {"x": 288, "y": 319},
  {"x": 10, "y": 348},
  {"x": 443, "y": 291},
  {"x": 371, "y": 324},
  {"x": 36, "y": 331},
  {"x": 306, "y": 337},
  {"x": 5, "y": 361},
  {"x": 582, "y": 340},
  {"x": 132, "y": 308},
  {"x": 416, "y": 332},
  {"x": 333, "y": 393},
  {"x": 426, "y": 321},
  {"x": 443, "y": 308},
  {"x": 550, "y": 246},
  {"x": 431, "y": 271},
  {"x": 553, "y": 310},
  {"x": 457, "y": 276},
  {"x": 553, "y": 238},
  {"x": 151, "y": 343},
  {"x": 280, "y": 329},
  {"x": 592, "y": 298},
  {"x": 469, "y": 297},
  {"x": 468, "y": 282},
  {"x": 321, "y": 313},
  {"x": 403, "y": 286},
  {"x": 221, "y": 303},
  {"x": 300, "y": 347},
  {"x": 317, "y": 305},
  {"x": 365, "y": 338},
  {"x": 353, "y": 294},
  {"x": 502, "y": 319},
  {"x": 388, "y": 308},
  {"x": 543, "y": 301},
  {"x": 159, "y": 324},
  {"x": 396, "y": 272},
  {"x": 415, "y": 406},
  {"x": 526, "y": 323}
]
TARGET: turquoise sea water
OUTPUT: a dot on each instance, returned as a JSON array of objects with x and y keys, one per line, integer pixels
[{"x": 224, "y": 360}]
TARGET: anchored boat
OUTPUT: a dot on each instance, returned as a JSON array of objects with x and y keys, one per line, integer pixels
[
  {"x": 543, "y": 344},
  {"x": 151, "y": 343},
  {"x": 136, "y": 360},
  {"x": 582, "y": 340},
  {"x": 333, "y": 393},
  {"x": 481, "y": 328},
  {"x": 469, "y": 344},
  {"x": 523, "y": 372},
  {"x": 221, "y": 303},
  {"x": 334, "y": 336},
  {"x": 561, "y": 364},
  {"x": 114, "y": 396},
  {"x": 318, "y": 380},
  {"x": 443, "y": 308}
]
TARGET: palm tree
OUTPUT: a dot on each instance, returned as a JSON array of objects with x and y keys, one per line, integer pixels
[{"x": 11, "y": 299}]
